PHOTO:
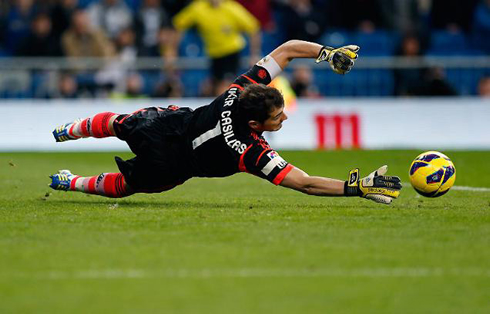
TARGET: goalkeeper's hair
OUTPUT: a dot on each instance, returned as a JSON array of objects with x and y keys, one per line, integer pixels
[{"x": 257, "y": 101}]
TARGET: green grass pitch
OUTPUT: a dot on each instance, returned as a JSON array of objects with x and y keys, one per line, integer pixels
[{"x": 242, "y": 245}]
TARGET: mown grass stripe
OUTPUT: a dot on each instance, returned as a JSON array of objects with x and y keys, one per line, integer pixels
[{"x": 406, "y": 272}]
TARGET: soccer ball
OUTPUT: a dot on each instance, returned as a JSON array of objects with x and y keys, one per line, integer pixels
[{"x": 432, "y": 174}]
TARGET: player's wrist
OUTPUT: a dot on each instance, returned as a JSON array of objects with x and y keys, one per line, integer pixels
[
  {"x": 351, "y": 190},
  {"x": 324, "y": 53}
]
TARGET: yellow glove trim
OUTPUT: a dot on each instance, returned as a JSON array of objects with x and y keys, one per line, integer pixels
[{"x": 383, "y": 191}]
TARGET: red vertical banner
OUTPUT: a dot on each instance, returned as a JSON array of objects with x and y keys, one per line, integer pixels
[
  {"x": 338, "y": 122},
  {"x": 354, "y": 120},
  {"x": 320, "y": 131},
  {"x": 338, "y": 131}
]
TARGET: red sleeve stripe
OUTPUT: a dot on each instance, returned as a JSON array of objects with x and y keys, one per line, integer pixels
[
  {"x": 260, "y": 156},
  {"x": 249, "y": 79},
  {"x": 241, "y": 164},
  {"x": 278, "y": 179},
  {"x": 237, "y": 86}
]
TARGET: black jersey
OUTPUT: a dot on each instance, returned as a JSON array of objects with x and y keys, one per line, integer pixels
[
  {"x": 174, "y": 144},
  {"x": 222, "y": 146}
]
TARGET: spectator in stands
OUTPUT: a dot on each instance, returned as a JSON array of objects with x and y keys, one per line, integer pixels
[
  {"x": 302, "y": 19},
  {"x": 112, "y": 77},
  {"x": 126, "y": 49},
  {"x": 134, "y": 88},
  {"x": 4, "y": 7},
  {"x": 419, "y": 81},
  {"x": 17, "y": 24},
  {"x": 149, "y": 20},
  {"x": 407, "y": 81},
  {"x": 67, "y": 87},
  {"x": 481, "y": 26},
  {"x": 170, "y": 87},
  {"x": 80, "y": 40},
  {"x": 404, "y": 15},
  {"x": 221, "y": 25},
  {"x": 302, "y": 83},
  {"x": 112, "y": 16},
  {"x": 172, "y": 7},
  {"x": 484, "y": 87},
  {"x": 365, "y": 15},
  {"x": 115, "y": 72},
  {"x": 262, "y": 11},
  {"x": 452, "y": 15},
  {"x": 61, "y": 16},
  {"x": 41, "y": 42},
  {"x": 434, "y": 83}
]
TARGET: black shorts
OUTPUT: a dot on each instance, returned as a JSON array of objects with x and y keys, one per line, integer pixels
[
  {"x": 225, "y": 67},
  {"x": 157, "y": 136}
]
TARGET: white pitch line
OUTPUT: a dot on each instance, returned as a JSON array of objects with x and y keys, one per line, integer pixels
[
  {"x": 251, "y": 273},
  {"x": 470, "y": 188},
  {"x": 460, "y": 188}
]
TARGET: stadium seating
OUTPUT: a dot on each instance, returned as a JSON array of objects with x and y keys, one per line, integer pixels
[
  {"x": 336, "y": 38},
  {"x": 15, "y": 84},
  {"x": 357, "y": 83},
  {"x": 193, "y": 80},
  {"x": 24, "y": 82},
  {"x": 270, "y": 40},
  {"x": 465, "y": 81},
  {"x": 446, "y": 43},
  {"x": 150, "y": 80},
  {"x": 132, "y": 4},
  {"x": 191, "y": 45},
  {"x": 377, "y": 43}
]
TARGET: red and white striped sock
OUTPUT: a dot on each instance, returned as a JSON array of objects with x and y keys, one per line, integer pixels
[
  {"x": 96, "y": 126},
  {"x": 105, "y": 184}
]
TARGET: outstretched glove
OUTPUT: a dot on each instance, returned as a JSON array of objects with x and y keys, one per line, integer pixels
[
  {"x": 376, "y": 186},
  {"x": 341, "y": 59}
]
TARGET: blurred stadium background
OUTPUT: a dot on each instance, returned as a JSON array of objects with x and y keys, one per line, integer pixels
[
  {"x": 405, "y": 43},
  {"x": 409, "y": 49}
]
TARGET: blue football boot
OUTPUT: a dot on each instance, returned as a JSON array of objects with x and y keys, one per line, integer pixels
[
  {"x": 61, "y": 180},
  {"x": 61, "y": 133}
]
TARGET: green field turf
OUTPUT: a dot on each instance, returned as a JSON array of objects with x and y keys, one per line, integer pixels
[{"x": 242, "y": 245}]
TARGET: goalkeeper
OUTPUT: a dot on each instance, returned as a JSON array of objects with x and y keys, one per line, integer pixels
[{"x": 175, "y": 144}]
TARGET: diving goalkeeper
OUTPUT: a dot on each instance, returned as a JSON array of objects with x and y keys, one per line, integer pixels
[{"x": 175, "y": 144}]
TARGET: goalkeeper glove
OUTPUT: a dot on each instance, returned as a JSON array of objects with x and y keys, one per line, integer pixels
[
  {"x": 376, "y": 186},
  {"x": 341, "y": 59}
]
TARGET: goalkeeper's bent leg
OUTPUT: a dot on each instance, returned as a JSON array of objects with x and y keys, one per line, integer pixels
[
  {"x": 106, "y": 184},
  {"x": 98, "y": 126}
]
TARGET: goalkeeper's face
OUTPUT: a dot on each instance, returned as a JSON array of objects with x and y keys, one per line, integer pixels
[{"x": 274, "y": 123}]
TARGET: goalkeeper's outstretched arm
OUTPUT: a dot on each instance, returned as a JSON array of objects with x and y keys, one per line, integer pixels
[
  {"x": 341, "y": 59},
  {"x": 376, "y": 186},
  {"x": 300, "y": 181}
]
